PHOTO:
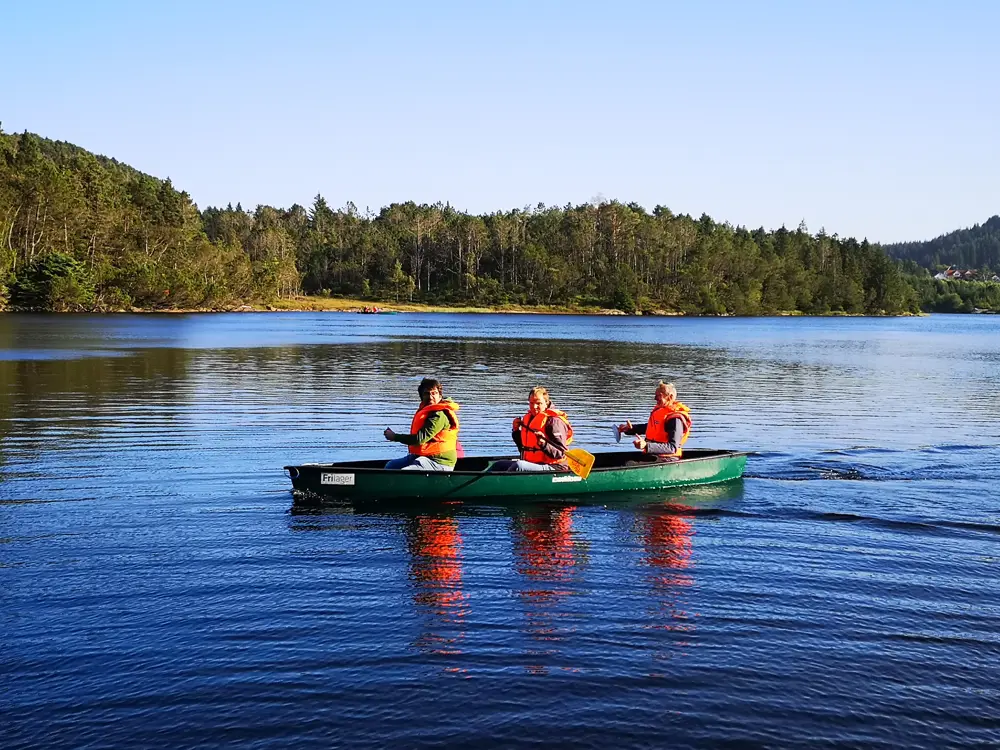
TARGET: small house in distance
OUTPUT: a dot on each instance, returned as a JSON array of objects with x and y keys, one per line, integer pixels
[{"x": 954, "y": 274}]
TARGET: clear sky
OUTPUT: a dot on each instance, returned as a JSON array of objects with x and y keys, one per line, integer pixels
[{"x": 870, "y": 119}]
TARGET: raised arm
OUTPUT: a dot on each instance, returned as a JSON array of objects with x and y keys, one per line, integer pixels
[{"x": 632, "y": 429}]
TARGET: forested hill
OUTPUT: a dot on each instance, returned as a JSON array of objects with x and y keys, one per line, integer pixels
[
  {"x": 85, "y": 232},
  {"x": 975, "y": 248},
  {"x": 82, "y": 232}
]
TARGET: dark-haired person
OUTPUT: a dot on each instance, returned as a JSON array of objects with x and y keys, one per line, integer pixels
[
  {"x": 433, "y": 435},
  {"x": 667, "y": 429},
  {"x": 541, "y": 436}
]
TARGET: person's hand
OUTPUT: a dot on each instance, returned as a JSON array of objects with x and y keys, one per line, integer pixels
[
  {"x": 516, "y": 424},
  {"x": 623, "y": 428},
  {"x": 640, "y": 443},
  {"x": 389, "y": 434}
]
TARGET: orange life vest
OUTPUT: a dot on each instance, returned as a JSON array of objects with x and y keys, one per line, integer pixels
[
  {"x": 529, "y": 440},
  {"x": 446, "y": 440},
  {"x": 656, "y": 428}
]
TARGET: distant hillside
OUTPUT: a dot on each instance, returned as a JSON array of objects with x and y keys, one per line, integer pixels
[
  {"x": 80, "y": 231},
  {"x": 978, "y": 247},
  {"x": 70, "y": 156}
]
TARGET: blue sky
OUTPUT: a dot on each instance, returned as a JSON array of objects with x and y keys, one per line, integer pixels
[{"x": 869, "y": 119}]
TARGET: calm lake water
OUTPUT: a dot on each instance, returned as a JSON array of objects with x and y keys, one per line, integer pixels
[{"x": 159, "y": 589}]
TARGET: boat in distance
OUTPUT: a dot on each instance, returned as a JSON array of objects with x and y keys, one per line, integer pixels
[{"x": 618, "y": 471}]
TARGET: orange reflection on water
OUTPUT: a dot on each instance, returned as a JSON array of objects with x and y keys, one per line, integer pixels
[
  {"x": 548, "y": 554},
  {"x": 666, "y": 538},
  {"x": 667, "y": 533},
  {"x": 435, "y": 547},
  {"x": 545, "y": 548}
]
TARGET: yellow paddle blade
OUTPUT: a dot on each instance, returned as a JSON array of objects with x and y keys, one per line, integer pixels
[{"x": 580, "y": 462}]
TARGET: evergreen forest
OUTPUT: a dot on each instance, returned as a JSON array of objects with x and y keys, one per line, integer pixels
[
  {"x": 81, "y": 232},
  {"x": 976, "y": 248}
]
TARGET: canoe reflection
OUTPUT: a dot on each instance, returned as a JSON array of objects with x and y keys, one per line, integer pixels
[
  {"x": 544, "y": 571},
  {"x": 435, "y": 547}
]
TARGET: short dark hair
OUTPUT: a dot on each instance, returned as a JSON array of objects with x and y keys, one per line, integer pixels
[{"x": 427, "y": 384}]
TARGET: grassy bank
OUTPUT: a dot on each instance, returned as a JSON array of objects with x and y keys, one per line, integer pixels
[{"x": 304, "y": 303}]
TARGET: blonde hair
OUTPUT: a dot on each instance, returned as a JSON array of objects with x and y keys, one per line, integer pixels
[
  {"x": 667, "y": 389},
  {"x": 542, "y": 393}
]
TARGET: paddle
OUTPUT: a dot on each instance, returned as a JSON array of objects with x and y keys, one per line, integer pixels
[{"x": 580, "y": 462}]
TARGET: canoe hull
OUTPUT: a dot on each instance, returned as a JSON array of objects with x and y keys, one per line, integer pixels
[{"x": 367, "y": 480}]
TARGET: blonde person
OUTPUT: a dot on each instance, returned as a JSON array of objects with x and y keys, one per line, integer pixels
[
  {"x": 667, "y": 429},
  {"x": 542, "y": 436}
]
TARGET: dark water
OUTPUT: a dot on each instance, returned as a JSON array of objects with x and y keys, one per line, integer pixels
[{"x": 158, "y": 589}]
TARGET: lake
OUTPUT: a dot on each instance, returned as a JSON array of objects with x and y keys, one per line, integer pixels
[{"x": 160, "y": 589}]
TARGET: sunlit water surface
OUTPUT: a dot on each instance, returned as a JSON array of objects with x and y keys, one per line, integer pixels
[{"x": 158, "y": 588}]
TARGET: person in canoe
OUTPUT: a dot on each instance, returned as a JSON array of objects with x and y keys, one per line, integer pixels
[
  {"x": 433, "y": 437},
  {"x": 667, "y": 429},
  {"x": 542, "y": 437}
]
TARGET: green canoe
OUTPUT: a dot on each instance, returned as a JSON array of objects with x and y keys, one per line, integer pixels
[{"x": 358, "y": 480}]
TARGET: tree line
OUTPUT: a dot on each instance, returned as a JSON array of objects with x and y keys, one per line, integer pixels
[{"x": 84, "y": 232}]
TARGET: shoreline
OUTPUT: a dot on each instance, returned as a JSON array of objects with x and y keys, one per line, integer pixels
[
  {"x": 343, "y": 304},
  {"x": 303, "y": 303}
]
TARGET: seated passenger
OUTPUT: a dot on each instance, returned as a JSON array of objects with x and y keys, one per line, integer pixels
[
  {"x": 542, "y": 436},
  {"x": 433, "y": 436},
  {"x": 667, "y": 429}
]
